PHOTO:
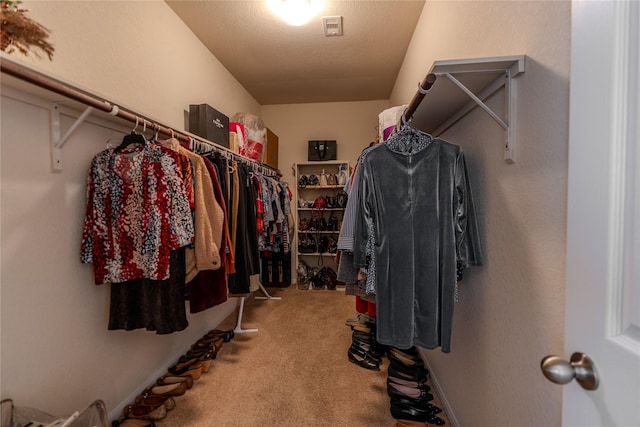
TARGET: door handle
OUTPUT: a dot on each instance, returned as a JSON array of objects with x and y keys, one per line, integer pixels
[{"x": 581, "y": 367}]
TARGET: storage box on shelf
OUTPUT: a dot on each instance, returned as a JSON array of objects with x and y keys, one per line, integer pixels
[{"x": 320, "y": 201}]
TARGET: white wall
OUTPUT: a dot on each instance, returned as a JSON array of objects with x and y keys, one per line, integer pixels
[
  {"x": 511, "y": 310},
  {"x": 352, "y": 124},
  {"x": 57, "y": 354}
]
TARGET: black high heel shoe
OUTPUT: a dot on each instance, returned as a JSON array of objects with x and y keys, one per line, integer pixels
[
  {"x": 403, "y": 411},
  {"x": 363, "y": 361}
]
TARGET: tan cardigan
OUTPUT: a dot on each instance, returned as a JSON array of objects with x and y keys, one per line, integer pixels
[{"x": 209, "y": 217}]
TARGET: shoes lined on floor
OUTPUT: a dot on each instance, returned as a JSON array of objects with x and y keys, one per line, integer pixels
[
  {"x": 408, "y": 389},
  {"x": 154, "y": 402},
  {"x": 407, "y": 377}
]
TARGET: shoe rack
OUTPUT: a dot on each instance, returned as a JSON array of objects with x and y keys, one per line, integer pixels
[{"x": 329, "y": 219}]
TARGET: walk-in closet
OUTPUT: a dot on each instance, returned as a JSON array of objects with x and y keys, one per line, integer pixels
[{"x": 391, "y": 213}]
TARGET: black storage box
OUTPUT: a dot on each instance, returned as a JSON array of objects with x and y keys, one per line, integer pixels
[
  {"x": 320, "y": 150},
  {"x": 209, "y": 123}
]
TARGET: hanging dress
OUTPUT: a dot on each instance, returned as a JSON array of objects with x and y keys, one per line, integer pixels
[{"x": 416, "y": 205}]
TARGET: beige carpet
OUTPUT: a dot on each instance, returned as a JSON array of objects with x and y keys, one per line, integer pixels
[{"x": 293, "y": 372}]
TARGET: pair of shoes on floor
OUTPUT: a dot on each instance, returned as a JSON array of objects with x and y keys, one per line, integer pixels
[
  {"x": 363, "y": 359},
  {"x": 402, "y": 410}
]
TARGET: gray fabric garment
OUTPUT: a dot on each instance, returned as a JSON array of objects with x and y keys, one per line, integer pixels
[
  {"x": 347, "y": 273},
  {"x": 416, "y": 198}
]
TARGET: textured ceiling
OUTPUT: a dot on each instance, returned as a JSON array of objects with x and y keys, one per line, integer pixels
[{"x": 282, "y": 64}]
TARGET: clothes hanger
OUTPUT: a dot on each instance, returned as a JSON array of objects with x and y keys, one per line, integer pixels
[{"x": 133, "y": 138}]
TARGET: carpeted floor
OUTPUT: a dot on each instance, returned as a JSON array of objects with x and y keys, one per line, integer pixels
[{"x": 293, "y": 372}]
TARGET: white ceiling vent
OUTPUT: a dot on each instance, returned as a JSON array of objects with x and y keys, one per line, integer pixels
[{"x": 332, "y": 25}]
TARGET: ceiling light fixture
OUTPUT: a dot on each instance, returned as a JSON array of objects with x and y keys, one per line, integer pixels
[{"x": 296, "y": 12}]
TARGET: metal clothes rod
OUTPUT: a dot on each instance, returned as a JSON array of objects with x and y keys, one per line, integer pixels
[
  {"x": 426, "y": 84},
  {"x": 54, "y": 85}
]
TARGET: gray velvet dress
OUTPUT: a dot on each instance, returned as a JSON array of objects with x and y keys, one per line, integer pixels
[{"x": 416, "y": 203}]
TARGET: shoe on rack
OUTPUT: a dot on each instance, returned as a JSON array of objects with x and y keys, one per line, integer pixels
[
  {"x": 172, "y": 379},
  {"x": 393, "y": 353},
  {"x": 362, "y": 352},
  {"x": 413, "y": 373},
  {"x": 361, "y": 327},
  {"x": 396, "y": 391},
  {"x": 204, "y": 358},
  {"x": 363, "y": 361},
  {"x": 194, "y": 370},
  {"x": 153, "y": 413},
  {"x": 361, "y": 318},
  {"x": 148, "y": 399},
  {"x": 403, "y": 411},
  {"x": 422, "y": 385},
  {"x": 176, "y": 389}
]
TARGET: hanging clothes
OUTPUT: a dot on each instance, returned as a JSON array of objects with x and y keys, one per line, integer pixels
[
  {"x": 247, "y": 255},
  {"x": 138, "y": 221},
  {"x": 210, "y": 287},
  {"x": 137, "y": 212},
  {"x": 209, "y": 216},
  {"x": 417, "y": 210}
]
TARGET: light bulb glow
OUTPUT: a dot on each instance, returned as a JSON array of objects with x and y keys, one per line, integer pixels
[{"x": 296, "y": 12}]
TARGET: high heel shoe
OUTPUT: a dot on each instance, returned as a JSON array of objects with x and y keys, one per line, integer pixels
[
  {"x": 364, "y": 361},
  {"x": 153, "y": 413},
  {"x": 175, "y": 389},
  {"x": 172, "y": 379},
  {"x": 155, "y": 400},
  {"x": 193, "y": 370},
  {"x": 203, "y": 358}
]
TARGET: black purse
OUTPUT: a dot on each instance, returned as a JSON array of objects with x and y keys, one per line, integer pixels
[
  {"x": 307, "y": 244},
  {"x": 322, "y": 150}
]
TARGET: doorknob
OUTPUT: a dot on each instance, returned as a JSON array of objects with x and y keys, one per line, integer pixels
[{"x": 580, "y": 367}]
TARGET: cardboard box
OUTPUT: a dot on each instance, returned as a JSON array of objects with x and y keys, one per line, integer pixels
[{"x": 209, "y": 123}]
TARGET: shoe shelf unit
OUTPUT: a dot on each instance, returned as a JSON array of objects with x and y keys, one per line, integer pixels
[{"x": 318, "y": 230}]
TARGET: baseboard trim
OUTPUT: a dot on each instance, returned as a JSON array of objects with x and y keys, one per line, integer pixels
[{"x": 436, "y": 385}]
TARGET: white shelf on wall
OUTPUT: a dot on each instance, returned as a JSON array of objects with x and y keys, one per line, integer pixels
[{"x": 464, "y": 84}]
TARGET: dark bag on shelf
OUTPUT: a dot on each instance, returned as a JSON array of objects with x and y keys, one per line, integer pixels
[
  {"x": 341, "y": 199},
  {"x": 320, "y": 150},
  {"x": 209, "y": 123},
  {"x": 307, "y": 244}
]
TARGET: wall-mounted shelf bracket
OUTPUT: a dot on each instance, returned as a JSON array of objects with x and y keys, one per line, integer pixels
[
  {"x": 478, "y": 79},
  {"x": 56, "y": 140}
]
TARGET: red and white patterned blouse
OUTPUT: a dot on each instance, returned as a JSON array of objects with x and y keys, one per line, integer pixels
[{"x": 137, "y": 213}]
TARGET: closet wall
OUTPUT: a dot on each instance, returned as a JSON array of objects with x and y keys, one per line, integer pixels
[
  {"x": 352, "y": 124},
  {"x": 511, "y": 310},
  {"x": 57, "y": 354}
]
